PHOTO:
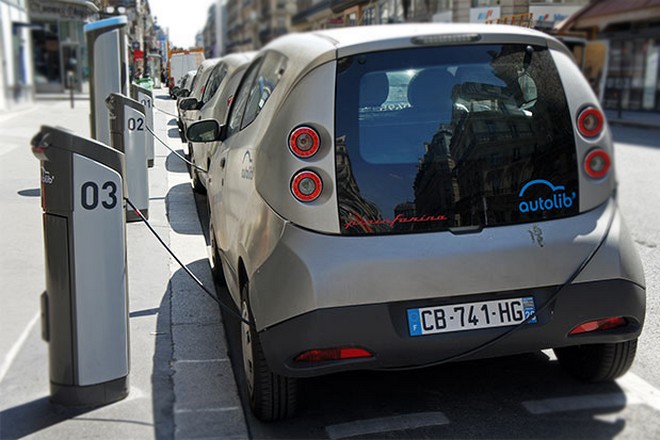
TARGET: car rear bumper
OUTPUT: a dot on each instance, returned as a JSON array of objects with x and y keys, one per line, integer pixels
[
  {"x": 307, "y": 271},
  {"x": 382, "y": 329}
]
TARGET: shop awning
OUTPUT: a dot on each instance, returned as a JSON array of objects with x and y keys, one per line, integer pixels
[{"x": 605, "y": 12}]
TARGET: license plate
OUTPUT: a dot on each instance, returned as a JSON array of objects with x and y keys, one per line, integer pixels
[{"x": 470, "y": 316}]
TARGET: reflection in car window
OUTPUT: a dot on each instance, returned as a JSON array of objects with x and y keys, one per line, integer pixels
[
  {"x": 269, "y": 75},
  {"x": 238, "y": 106},
  {"x": 436, "y": 138},
  {"x": 217, "y": 76}
]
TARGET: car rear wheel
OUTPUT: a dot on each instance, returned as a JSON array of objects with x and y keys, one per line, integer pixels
[
  {"x": 272, "y": 397},
  {"x": 597, "y": 362}
]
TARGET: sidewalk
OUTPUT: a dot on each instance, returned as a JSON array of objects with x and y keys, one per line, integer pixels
[{"x": 181, "y": 381}]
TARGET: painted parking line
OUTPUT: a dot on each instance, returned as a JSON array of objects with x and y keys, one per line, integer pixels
[
  {"x": 577, "y": 403},
  {"x": 634, "y": 385},
  {"x": 636, "y": 391},
  {"x": 386, "y": 424},
  {"x": 16, "y": 348},
  {"x": 200, "y": 361},
  {"x": 206, "y": 410}
]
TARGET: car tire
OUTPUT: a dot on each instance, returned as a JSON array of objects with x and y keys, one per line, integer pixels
[
  {"x": 597, "y": 362},
  {"x": 216, "y": 261},
  {"x": 272, "y": 397},
  {"x": 196, "y": 183}
]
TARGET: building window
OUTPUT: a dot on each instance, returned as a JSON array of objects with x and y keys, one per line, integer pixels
[
  {"x": 46, "y": 48},
  {"x": 369, "y": 16},
  {"x": 632, "y": 76},
  {"x": 482, "y": 3},
  {"x": 445, "y": 5}
]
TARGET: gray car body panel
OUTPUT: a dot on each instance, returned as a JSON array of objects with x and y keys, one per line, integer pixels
[
  {"x": 309, "y": 271},
  {"x": 292, "y": 253},
  {"x": 201, "y": 77},
  {"x": 217, "y": 107}
]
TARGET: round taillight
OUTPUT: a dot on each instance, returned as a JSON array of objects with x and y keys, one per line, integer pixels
[
  {"x": 304, "y": 142},
  {"x": 590, "y": 122},
  {"x": 597, "y": 163},
  {"x": 306, "y": 186}
]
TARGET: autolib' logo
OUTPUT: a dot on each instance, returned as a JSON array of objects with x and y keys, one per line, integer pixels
[{"x": 557, "y": 200}]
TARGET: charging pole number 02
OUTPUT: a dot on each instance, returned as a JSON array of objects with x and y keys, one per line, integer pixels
[{"x": 136, "y": 124}]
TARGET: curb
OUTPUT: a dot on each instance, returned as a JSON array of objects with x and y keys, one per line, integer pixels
[{"x": 636, "y": 124}]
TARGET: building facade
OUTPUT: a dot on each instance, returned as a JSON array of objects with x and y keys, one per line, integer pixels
[
  {"x": 324, "y": 14},
  {"x": 630, "y": 33},
  {"x": 16, "y": 73},
  {"x": 59, "y": 46},
  {"x": 59, "y": 43},
  {"x": 251, "y": 24}
]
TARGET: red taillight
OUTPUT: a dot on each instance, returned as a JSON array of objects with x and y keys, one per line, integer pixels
[
  {"x": 599, "y": 325},
  {"x": 306, "y": 186},
  {"x": 597, "y": 163},
  {"x": 333, "y": 354},
  {"x": 590, "y": 122},
  {"x": 304, "y": 142}
]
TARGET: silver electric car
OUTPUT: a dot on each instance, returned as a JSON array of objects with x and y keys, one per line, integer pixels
[
  {"x": 407, "y": 195},
  {"x": 195, "y": 89},
  {"x": 213, "y": 102}
]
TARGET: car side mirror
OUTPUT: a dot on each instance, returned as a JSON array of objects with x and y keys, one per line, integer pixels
[
  {"x": 183, "y": 93},
  {"x": 188, "y": 104},
  {"x": 206, "y": 130}
]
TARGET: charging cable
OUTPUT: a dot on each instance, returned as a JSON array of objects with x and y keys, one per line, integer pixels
[
  {"x": 175, "y": 153},
  {"x": 221, "y": 303},
  {"x": 166, "y": 112},
  {"x": 532, "y": 316}
]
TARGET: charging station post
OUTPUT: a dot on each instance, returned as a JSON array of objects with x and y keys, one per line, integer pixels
[
  {"x": 106, "y": 46},
  {"x": 128, "y": 134},
  {"x": 85, "y": 306},
  {"x": 146, "y": 98}
]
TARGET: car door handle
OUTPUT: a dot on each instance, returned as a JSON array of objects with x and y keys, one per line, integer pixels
[{"x": 222, "y": 162}]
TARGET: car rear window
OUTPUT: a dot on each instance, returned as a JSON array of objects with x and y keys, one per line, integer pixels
[{"x": 431, "y": 139}]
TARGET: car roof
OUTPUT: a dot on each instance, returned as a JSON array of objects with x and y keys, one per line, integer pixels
[
  {"x": 328, "y": 44},
  {"x": 238, "y": 58}
]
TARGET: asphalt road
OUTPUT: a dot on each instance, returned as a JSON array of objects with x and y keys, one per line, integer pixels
[{"x": 526, "y": 396}]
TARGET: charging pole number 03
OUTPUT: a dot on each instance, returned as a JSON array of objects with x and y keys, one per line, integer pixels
[{"x": 90, "y": 195}]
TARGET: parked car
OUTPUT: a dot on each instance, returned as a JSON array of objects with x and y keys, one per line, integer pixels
[
  {"x": 197, "y": 88},
  {"x": 213, "y": 103},
  {"x": 414, "y": 195},
  {"x": 183, "y": 91}
]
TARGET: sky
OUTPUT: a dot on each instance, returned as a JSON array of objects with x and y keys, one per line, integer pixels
[{"x": 184, "y": 18}]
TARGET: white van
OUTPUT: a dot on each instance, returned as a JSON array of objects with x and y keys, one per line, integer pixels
[{"x": 180, "y": 64}]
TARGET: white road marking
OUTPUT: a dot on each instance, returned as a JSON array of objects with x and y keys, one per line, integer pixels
[
  {"x": 206, "y": 410},
  {"x": 16, "y": 348},
  {"x": 634, "y": 385},
  {"x": 386, "y": 424},
  {"x": 577, "y": 403},
  {"x": 199, "y": 361},
  {"x": 636, "y": 391}
]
